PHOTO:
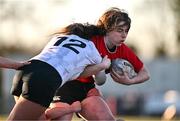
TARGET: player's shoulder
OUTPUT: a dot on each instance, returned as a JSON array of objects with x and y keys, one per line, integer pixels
[
  {"x": 55, "y": 37},
  {"x": 70, "y": 36},
  {"x": 73, "y": 36},
  {"x": 125, "y": 47}
]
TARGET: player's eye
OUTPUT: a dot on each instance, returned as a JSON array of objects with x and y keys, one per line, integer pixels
[{"x": 120, "y": 30}]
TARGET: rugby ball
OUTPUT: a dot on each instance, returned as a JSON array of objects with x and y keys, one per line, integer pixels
[{"x": 122, "y": 66}]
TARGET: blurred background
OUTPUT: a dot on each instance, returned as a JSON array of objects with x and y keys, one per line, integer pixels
[{"x": 25, "y": 26}]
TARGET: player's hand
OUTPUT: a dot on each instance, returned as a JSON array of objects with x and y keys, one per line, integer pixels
[
  {"x": 57, "y": 110},
  {"x": 18, "y": 65},
  {"x": 106, "y": 62},
  {"x": 122, "y": 79}
]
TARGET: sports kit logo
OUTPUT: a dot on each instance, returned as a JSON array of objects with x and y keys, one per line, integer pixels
[{"x": 56, "y": 98}]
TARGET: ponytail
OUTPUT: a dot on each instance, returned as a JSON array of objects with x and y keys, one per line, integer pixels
[{"x": 86, "y": 31}]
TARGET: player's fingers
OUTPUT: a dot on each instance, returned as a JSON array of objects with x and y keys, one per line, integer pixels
[
  {"x": 26, "y": 63},
  {"x": 113, "y": 72},
  {"x": 126, "y": 75},
  {"x": 52, "y": 113},
  {"x": 105, "y": 57},
  {"x": 113, "y": 76}
]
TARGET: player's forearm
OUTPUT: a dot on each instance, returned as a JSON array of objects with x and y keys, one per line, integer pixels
[
  {"x": 7, "y": 63},
  {"x": 92, "y": 70},
  {"x": 11, "y": 64},
  {"x": 142, "y": 76}
]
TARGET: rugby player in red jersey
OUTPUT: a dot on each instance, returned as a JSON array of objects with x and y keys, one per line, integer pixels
[{"x": 116, "y": 24}]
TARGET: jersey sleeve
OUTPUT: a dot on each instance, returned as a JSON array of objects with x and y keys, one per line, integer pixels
[
  {"x": 94, "y": 54},
  {"x": 133, "y": 59}
]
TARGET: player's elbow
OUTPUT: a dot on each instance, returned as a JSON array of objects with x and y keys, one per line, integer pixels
[
  {"x": 145, "y": 73},
  {"x": 100, "y": 82},
  {"x": 100, "y": 78}
]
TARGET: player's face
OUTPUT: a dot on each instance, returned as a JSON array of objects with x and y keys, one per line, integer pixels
[{"x": 118, "y": 35}]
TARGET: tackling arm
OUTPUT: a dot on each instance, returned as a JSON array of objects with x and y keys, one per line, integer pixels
[
  {"x": 11, "y": 64},
  {"x": 98, "y": 70}
]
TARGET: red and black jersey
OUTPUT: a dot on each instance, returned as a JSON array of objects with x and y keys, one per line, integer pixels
[{"x": 122, "y": 51}]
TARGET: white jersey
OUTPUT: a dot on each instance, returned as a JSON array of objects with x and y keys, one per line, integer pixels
[{"x": 69, "y": 55}]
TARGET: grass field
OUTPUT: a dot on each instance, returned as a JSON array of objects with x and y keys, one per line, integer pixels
[{"x": 126, "y": 118}]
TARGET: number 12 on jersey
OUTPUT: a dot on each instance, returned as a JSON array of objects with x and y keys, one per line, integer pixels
[{"x": 71, "y": 44}]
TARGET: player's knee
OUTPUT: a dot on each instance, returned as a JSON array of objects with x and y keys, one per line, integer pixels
[
  {"x": 104, "y": 115},
  {"x": 96, "y": 113}
]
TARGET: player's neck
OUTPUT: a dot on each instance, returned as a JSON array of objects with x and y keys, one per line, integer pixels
[{"x": 111, "y": 47}]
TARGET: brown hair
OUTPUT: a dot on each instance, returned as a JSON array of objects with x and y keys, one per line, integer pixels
[
  {"x": 85, "y": 31},
  {"x": 112, "y": 17}
]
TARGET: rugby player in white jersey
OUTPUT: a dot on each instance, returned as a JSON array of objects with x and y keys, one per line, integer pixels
[{"x": 64, "y": 58}]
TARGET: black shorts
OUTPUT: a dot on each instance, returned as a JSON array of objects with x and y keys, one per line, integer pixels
[
  {"x": 36, "y": 82},
  {"x": 73, "y": 91}
]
